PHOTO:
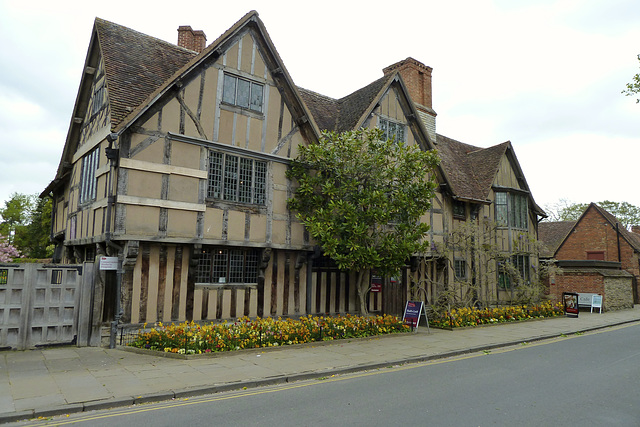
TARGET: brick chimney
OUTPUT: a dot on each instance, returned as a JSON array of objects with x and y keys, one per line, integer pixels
[
  {"x": 417, "y": 79},
  {"x": 190, "y": 39}
]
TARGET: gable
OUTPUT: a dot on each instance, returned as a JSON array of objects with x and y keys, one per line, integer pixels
[{"x": 232, "y": 100}]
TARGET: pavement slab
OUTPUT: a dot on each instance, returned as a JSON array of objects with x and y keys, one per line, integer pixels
[{"x": 71, "y": 379}]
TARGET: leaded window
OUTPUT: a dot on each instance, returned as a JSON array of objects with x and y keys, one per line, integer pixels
[
  {"x": 88, "y": 180},
  {"x": 460, "y": 267},
  {"x": 391, "y": 130},
  {"x": 522, "y": 265},
  {"x": 236, "y": 179},
  {"x": 512, "y": 210},
  {"x": 225, "y": 265},
  {"x": 242, "y": 93}
]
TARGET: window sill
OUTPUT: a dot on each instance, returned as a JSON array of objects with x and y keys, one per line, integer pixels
[{"x": 240, "y": 110}]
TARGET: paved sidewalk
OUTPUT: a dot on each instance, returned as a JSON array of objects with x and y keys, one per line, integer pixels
[{"x": 70, "y": 379}]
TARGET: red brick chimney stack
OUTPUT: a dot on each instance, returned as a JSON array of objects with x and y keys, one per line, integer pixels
[
  {"x": 190, "y": 39},
  {"x": 417, "y": 78}
]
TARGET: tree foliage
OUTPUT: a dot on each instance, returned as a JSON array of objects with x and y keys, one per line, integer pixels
[
  {"x": 564, "y": 210},
  {"x": 633, "y": 88},
  {"x": 26, "y": 222},
  {"x": 8, "y": 252},
  {"x": 361, "y": 199}
]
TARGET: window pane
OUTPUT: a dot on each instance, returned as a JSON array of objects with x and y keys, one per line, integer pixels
[
  {"x": 400, "y": 133},
  {"x": 236, "y": 266},
  {"x": 256, "y": 97},
  {"x": 384, "y": 128},
  {"x": 245, "y": 180},
  {"x": 203, "y": 272},
  {"x": 231, "y": 178},
  {"x": 392, "y": 130},
  {"x": 501, "y": 209},
  {"x": 260, "y": 183},
  {"x": 242, "y": 97},
  {"x": 220, "y": 265},
  {"x": 251, "y": 267},
  {"x": 229, "y": 89},
  {"x": 215, "y": 175}
]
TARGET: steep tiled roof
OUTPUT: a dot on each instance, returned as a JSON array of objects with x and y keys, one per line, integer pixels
[
  {"x": 325, "y": 110},
  {"x": 470, "y": 169},
  {"x": 135, "y": 65},
  {"x": 551, "y": 234},
  {"x": 342, "y": 114}
]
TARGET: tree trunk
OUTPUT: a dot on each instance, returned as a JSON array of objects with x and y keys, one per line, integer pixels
[{"x": 362, "y": 287}]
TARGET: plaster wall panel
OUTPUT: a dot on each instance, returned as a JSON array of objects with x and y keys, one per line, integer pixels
[
  {"x": 144, "y": 184},
  {"x": 185, "y": 155},
  {"x": 247, "y": 53},
  {"x": 171, "y": 117},
  {"x": 152, "y": 153},
  {"x": 235, "y": 231},
  {"x": 181, "y": 223},
  {"x": 213, "y": 224},
  {"x": 255, "y": 134},
  {"x": 258, "y": 228},
  {"x": 226, "y": 127},
  {"x": 231, "y": 57},
  {"x": 183, "y": 188},
  {"x": 142, "y": 220},
  {"x": 240, "y": 131},
  {"x": 208, "y": 101}
]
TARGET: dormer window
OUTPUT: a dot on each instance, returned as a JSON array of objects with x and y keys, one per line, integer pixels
[{"x": 242, "y": 93}]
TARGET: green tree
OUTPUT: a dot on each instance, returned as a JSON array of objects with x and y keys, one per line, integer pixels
[
  {"x": 26, "y": 220},
  {"x": 626, "y": 213},
  {"x": 633, "y": 88},
  {"x": 361, "y": 199},
  {"x": 16, "y": 213}
]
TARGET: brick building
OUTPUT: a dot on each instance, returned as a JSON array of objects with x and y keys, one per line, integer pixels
[{"x": 597, "y": 255}]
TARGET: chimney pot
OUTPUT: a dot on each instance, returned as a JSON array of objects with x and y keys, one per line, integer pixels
[{"x": 190, "y": 39}]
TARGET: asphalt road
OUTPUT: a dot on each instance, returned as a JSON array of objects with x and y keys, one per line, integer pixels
[{"x": 586, "y": 380}]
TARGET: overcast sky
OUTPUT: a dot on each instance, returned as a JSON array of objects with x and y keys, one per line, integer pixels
[{"x": 545, "y": 75}]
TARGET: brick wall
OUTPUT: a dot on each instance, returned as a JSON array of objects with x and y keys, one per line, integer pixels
[{"x": 595, "y": 233}]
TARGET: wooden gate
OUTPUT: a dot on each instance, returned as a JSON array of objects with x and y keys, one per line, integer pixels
[
  {"x": 394, "y": 295},
  {"x": 45, "y": 304}
]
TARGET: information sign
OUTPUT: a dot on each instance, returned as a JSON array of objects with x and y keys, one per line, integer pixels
[
  {"x": 570, "y": 302},
  {"x": 596, "y": 302},
  {"x": 412, "y": 312},
  {"x": 108, "y": 263}
]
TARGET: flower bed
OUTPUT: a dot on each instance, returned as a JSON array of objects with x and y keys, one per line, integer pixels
[
  {"x": 463, "y": 317},
  {"x": 192, "y": 338}
]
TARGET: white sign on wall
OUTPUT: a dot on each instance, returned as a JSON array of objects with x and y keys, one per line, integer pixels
[{"x": 108, "y": 263}]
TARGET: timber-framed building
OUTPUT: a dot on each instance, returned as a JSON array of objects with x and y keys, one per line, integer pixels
[{"x": 175, "y": 163}]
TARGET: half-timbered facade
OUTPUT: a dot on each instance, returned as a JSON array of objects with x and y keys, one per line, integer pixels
[{"x": 175, "y": 163}]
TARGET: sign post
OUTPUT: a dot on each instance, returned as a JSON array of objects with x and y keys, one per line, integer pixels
[
  {"x": 570, "y": 302},
  {"x": 412, "y": 312},
  {"x": 596, "y": 302}
]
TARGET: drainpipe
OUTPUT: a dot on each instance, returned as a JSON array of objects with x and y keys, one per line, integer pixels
[
  {"x": 618, "y": 238},
  {"x": 112, "y": 155}
]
